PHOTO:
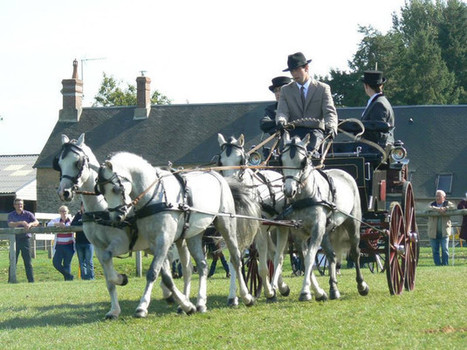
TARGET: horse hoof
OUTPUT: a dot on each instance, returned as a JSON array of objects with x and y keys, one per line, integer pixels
[
  {"x": 364, "y": 291},
  {"x": 305, "y": 297},
  {"x": 170, "y": 300},
  {"x": 272, "y": 299},
  {"x": 201, "y": 309},
  {"x": 323, "y": 297},
  {"x": 191, "y": 310},
  {"x": 111, "y": 317},
  {"x": 140, "y": 313},
  {"x": 124, "y": 280},
  {"x": 250, "y": 303},
  {"x": 233, "y": 302},
  {"x": 334, "y": 294},
  {"x": 286, "y": 292}
]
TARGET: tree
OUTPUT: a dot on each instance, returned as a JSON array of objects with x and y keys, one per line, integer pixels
[
  {"x": 423, "y": 55},
  {"x": 111, "y": 94}
]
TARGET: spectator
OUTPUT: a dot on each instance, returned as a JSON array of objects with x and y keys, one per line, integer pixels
[
  {"x": 463, "y": 205},
  {"x": 84, "y": 248},
  {"x": 63, "y": 244},
  {"x": 439, "y": 227},
  {"x": 23, "y": 219},
  {"x": 308, "y": 103},
  {"x": 214, "y": 249}
]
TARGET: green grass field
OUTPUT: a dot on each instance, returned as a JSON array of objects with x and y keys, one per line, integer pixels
[{"x": 52, "y": 313}]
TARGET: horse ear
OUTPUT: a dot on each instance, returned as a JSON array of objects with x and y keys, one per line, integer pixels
[
  {"x": 108, "y": 165},
  {"x": 65, "y": 139},
  {"x": 286, "y": 137},
  {"x": 241, "y": 140},
  {"x": 80, "y": 140},
  {"x": 220, "y": 139},
  {"x": 306, "y": 140}
]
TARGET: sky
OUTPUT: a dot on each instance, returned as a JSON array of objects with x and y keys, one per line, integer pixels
[{"x": 203, "y": 51}]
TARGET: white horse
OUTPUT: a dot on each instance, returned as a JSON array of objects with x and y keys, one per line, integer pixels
[
  {"x": 78, "y": 168},
  {"x": 329, "y": 219},
  {"x": 170, "y": 207},
  {"x": 267, "y": 186}
]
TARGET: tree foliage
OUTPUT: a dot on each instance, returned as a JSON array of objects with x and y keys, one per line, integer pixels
[
  {"x": 423, "y": 56},
  {"x": 112, "y": 94}
]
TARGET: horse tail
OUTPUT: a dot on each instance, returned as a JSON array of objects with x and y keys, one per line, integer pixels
[{"x": 246, "y": 205}]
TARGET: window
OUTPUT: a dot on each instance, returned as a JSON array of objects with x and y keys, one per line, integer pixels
[{"x": 444, "y": 182}]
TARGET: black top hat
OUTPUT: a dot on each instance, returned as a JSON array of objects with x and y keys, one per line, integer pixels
[
  {"x": 296, "y": 60},
  {"x": 373, "y": 77},
  {"x": 278, "y": 82}
]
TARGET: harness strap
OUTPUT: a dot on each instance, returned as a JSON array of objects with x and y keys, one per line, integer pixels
[
  {"x": 152, "y": 209},
  {"x": 330, "y": 181},
  {"x": 269, "y": 186},
  {"x": 102, "y": 218},
  {"x": 187, "y": 202}
]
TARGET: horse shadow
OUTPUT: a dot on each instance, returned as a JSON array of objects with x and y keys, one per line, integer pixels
[{"x": 68, "y": 314}]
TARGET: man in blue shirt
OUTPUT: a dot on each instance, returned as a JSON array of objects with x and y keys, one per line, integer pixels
[{"x": 23, "y": 219}]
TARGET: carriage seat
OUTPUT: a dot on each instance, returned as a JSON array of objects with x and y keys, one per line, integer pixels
[{"x": 370, "y": 125}]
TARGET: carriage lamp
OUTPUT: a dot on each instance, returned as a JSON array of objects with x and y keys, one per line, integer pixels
[
  {"x": 398, "y": 156},
  {"x": 398, "y": 153},
  {"x": 255, "y": 158}
]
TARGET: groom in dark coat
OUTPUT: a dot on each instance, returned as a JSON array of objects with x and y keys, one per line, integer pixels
[{"x": 378, "y": 109}]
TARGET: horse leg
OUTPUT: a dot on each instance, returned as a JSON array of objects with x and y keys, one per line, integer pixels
[
  {"x": 261, "y": 242},
  {"x": 282, "y": 236},
  {"x": 157, "y": 264},
  {"x": 187, "y": 267},
  {"x": 362, "y": 287},
  {"x": 227, "y": 228},
  {"x": 331, "y": 257},
  {"x": 197, "y": 251},
  {"x": 109, "y": 274},
  {"x": 187, "y": 272}
]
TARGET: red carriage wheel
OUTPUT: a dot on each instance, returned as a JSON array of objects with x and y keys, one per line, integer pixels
[
  {"x": 396, "y": 251},
  {"x": 413, "y": 249},
  {"x": 250, "y": 273}
]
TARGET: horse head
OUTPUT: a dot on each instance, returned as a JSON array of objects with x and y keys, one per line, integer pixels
[
  {"x": 115, "y": 189},
  {"x": 232, "y": 153},
  {"x": 296, "y": 162},
  {"x": 73, "y": 163}
]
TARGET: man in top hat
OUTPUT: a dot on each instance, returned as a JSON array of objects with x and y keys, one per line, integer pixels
[
  {"x": 306, "y": 102},
  {"x": 378, "y": 109},
  {"x": 268, "y": 122}
]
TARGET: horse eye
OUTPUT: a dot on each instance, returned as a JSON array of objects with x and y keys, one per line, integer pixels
[{"x": 117, "y": 189}]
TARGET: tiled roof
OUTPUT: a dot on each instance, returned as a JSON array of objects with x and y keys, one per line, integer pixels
[
  {"x": 187, "y": 134},
  {"x": 17, "y": 174}
]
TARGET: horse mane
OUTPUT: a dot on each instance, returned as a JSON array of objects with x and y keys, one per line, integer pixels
[{"x": 128, "y": 161}]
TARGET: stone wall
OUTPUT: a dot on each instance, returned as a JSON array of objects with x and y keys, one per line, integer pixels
[{"x": 48, "y": 200}]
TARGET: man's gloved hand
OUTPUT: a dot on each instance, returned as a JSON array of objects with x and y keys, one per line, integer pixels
[
  {"x": 281, "y": 122},
  {"x": 330, "y": 133}
]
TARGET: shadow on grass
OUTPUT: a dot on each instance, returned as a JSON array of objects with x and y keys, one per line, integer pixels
[{"x": 67, "y": 314}]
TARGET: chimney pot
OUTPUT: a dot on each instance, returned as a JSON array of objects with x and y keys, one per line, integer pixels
[
  {"x": 72, "y": 92},
  {"x": 143, "y": 97}
]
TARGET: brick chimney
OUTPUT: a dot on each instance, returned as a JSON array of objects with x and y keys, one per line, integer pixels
[
  {"x": 72, "y": 97},
  {"x": 143, "y": 97}
]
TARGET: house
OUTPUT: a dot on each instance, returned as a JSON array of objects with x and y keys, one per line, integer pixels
[
  {"x": 186, "y": 135},
  {"x": 17, "y": 179}
]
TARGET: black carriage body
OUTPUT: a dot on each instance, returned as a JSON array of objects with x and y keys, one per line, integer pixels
[{"x": 389, "y": 231}]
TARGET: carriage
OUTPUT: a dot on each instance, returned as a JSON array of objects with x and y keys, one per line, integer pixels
[{"x": 389, "y": 239}]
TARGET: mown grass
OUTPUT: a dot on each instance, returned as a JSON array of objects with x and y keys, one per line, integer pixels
[{"x": 69, "y": 315}]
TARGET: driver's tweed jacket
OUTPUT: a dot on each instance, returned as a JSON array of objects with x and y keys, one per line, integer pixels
[{"x": 319, "y": 106}]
